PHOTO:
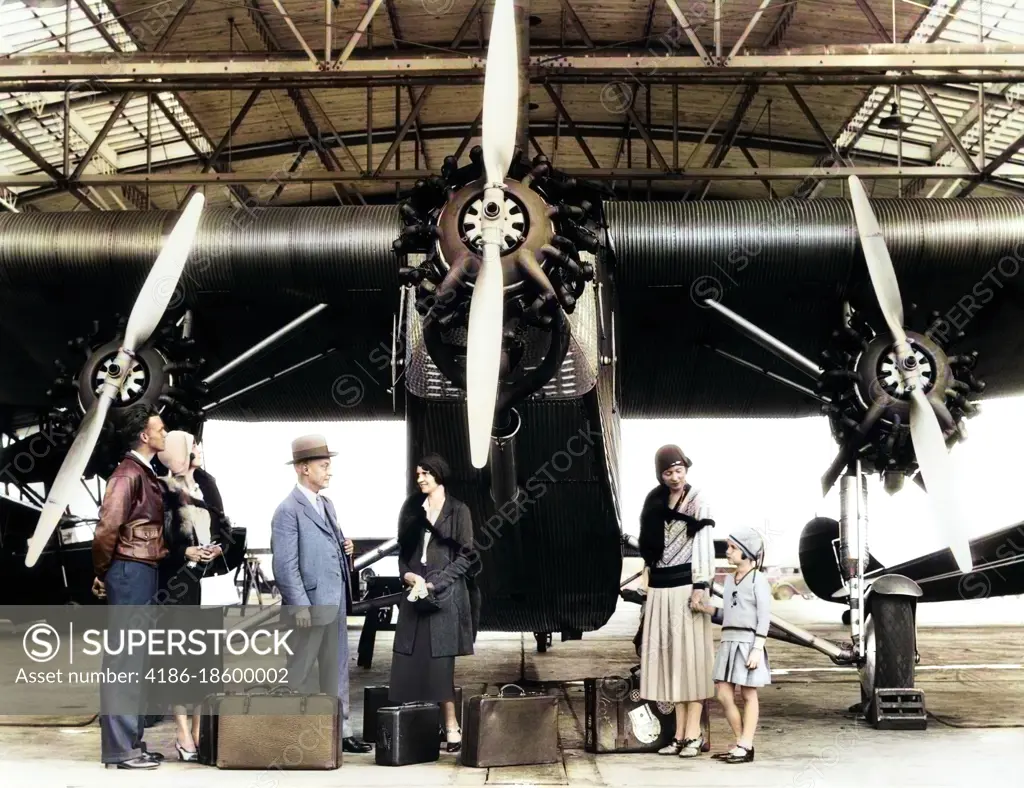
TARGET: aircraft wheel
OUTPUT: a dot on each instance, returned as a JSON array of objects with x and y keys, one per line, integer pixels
[
  {"x": 543, "y": 641},
  {"x": 889, "y": 644}
]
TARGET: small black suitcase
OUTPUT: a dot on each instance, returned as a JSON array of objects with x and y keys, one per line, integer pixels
[
  {"x": 375, "y": 698},
  {"x": 511, "y": 730},
  {"x": 407, "y": 734}
]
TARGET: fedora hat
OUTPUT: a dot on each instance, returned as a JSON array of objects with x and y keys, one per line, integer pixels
[{"x": 310, "y": 447}]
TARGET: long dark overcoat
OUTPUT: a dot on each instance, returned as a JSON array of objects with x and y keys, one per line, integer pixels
[{"x": 450, "y": 559}]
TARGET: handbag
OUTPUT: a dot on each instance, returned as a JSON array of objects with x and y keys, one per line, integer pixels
[{"x": 426, "y": 605}]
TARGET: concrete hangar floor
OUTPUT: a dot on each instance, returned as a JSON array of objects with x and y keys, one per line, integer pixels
[{"x": 971, "y": 672}]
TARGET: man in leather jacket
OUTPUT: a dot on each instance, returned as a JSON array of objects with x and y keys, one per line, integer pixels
[{"x": 126, "y": 551}]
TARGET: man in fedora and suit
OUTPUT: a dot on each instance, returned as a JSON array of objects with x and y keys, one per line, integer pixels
[{"x": 311, "y": 569}]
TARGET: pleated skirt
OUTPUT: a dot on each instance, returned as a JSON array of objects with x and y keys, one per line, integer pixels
[
  {"x": 677, "y": 654},
  {"x": 731, "y": 666}
]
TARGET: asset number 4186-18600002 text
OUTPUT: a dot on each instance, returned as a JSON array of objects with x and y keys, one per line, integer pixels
[{"x": 218, "y": 676}]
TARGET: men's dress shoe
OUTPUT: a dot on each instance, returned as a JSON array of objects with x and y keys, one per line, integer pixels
[
  {"x": 140, "y": 762},
  {"x": 352, "y": 744}
]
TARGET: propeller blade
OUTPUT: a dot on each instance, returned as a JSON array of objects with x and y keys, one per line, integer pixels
[
  {"x": 501, "y": 93},
  {"x": 483, "y": 342},
  {"x": 937, "y": 470},
  {"x": 149, "y": 308},
  {"x": 159, "y": 286},
  {"x": 876, "y": 255},
  {"x": 483, "y": 353},
  {"x": 68, "y": 477}
]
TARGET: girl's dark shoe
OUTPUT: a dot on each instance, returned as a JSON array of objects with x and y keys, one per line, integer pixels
[
  {"x": 739, "y": 755},
  {"x": 453, "y": 737},
  {"x": 672, "y": 748},
  {"x": 190, "y": 756}
]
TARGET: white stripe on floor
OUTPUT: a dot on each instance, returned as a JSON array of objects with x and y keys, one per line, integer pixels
[{"x": 997, "y": 666}]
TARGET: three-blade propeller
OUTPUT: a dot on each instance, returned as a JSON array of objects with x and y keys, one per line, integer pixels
[
  {"x": 149, "y": 308},
  {"x": 925, "y": 432},
  {"x": 483, "y": 343}
]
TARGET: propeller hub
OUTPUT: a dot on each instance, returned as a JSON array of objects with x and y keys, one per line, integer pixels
[
  {"x": 525, "y": 226},
  {"x": 921, "y": 362},
  {"x": 143, "y": 378},
  {"x": 492, "y": 210}
]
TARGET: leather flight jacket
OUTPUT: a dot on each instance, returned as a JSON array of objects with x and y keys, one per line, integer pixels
[{"x": 131, "y": 526}]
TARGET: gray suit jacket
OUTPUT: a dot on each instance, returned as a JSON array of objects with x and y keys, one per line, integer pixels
[{"x": 310, "y": 565}]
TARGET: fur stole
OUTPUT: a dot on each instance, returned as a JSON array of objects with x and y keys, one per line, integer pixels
[
  {"x": 654, "y": 515},
  {"x": 186, "y": 519},
  {"x": 412, "y": 522}
]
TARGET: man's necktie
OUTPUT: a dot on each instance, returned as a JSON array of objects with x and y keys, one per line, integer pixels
[{"x": 320, "y": 508}]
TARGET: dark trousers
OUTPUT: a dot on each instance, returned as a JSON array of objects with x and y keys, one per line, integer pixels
[
  {"x": 128, "y": 583},
  {"x": 327, "y": 645}
]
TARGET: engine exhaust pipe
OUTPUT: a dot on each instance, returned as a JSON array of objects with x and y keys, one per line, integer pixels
[{"x": 504, "y": 482}]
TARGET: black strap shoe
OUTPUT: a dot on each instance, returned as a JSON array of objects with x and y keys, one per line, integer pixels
[
  {"x": 354, "y": 745},
  {"x": 739, "y": 755}
]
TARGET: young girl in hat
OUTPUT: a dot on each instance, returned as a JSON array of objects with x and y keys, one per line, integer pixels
[{"x": 742, "y": 659}]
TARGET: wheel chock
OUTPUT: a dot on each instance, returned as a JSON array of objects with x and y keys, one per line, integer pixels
[{"x": 898, "y": 709}]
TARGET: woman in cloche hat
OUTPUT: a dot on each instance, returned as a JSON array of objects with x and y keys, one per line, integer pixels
[{"x": 676, "y": 656}]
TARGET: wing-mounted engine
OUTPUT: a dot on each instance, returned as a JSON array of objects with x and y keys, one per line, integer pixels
[
  {"x": 163, "y": 373},
  {"x": 550, "y": 237},
  {"x": 870, "y": 406}
]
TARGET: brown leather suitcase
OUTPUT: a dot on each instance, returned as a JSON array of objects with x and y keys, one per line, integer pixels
[
  {"x": 510, "y": 730},
  {"x": 279, "y": 729}
]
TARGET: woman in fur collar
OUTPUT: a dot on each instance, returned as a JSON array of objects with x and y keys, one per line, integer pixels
[
  {"x": 436, "y": 561},
  {"x": 676, "y": 656},
  {"x": 195, "y": 532}
]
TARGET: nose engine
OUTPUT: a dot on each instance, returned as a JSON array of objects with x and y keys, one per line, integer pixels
[{"x": 550, "y": 233}]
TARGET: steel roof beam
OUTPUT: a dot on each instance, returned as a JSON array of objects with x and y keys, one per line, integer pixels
[
  {"x": 712, "y": 173},
  {"x": 851, "y": 59}
]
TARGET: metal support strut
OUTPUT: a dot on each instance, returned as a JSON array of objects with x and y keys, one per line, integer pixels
[{"x": 853, "y": 548}]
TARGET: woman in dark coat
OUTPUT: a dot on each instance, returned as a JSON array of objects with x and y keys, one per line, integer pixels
[
  {"x": 196, "y": 533},
  {"x": 436, "y": 560}
]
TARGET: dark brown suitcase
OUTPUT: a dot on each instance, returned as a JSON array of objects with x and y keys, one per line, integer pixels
[
  {"x": 375, "y": 698},
  {"x": 617, "y": 719},
  {"x": 407, "y": 734},
  {"x": 510, "y": 730}
]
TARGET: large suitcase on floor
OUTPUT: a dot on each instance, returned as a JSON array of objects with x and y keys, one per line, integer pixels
[
  {"x": 375, "y": 698},
  {"x": 407, "y": 734},
  {"x": 510, "y": 729},
  {"x": 617, "y": 719},
  {"x": 270, "y": 729}
]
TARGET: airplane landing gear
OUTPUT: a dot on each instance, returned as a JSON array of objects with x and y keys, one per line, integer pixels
[
  {"x": 543, "y": 641},
  {"x": 881, "y": 618}
]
